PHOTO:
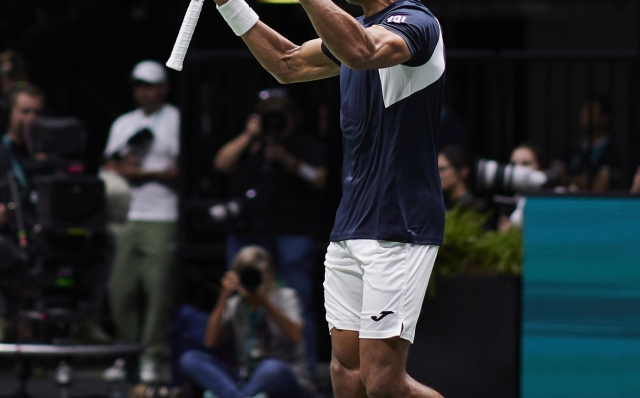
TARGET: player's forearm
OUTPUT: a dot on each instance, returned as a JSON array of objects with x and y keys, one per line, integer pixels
[
  {"x": 340, "y": 32},
  {"x": 268, "y": 46},
  {"x": 273, "y": 51}
]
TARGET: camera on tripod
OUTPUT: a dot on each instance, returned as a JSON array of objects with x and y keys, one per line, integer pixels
[{"x": 60, "y": 217}]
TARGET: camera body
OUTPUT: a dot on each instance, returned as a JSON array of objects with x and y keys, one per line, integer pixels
[{"x": 250, "y": 278}]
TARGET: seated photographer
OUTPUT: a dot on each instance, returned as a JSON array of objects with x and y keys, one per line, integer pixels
[
  {"x": 279, "y": 175},
  {"x": 265, "y": 321}
]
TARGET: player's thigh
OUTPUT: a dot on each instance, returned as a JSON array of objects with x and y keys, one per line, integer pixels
[
  {"x": 342, "y": 288},
  {"x": 394, "y": 284}
]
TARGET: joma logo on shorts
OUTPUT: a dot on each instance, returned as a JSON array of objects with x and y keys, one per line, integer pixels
[
  {"x": 382, "y": 315},
  {"x": 397, "y": 18}
]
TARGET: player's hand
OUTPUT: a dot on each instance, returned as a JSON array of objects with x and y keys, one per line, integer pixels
[{"x": 253, "y": 128}]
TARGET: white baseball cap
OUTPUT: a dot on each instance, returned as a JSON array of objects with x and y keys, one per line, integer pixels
[{"x": 151, "y": 72}]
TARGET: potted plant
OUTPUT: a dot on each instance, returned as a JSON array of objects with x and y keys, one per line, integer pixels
[{"x": 467, "y": 338}]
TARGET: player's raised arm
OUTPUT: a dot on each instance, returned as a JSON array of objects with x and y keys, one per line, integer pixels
[
  {"x": 286, "y": 61},
  {"x": 354, "y": 45}
]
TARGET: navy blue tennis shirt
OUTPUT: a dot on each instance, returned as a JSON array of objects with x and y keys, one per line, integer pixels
[{"x": 389, "y": 119}]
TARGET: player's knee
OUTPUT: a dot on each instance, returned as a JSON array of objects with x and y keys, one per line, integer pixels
[
  {"x": 380, "y": 381},
  {"x": 341, "y": 372}
]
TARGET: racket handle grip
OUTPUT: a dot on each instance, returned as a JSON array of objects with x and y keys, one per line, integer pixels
[{"x": 184, "y": 36}]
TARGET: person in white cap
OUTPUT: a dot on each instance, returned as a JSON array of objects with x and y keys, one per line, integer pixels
[{"x": 143, "y": 147}]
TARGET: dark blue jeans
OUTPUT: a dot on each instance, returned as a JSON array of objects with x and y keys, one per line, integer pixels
[
  {"x": 271, "y": 376},
  {"x": 294, "y": 256}
]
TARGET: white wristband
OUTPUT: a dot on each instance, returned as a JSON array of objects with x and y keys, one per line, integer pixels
[
  {"x": 239, "y": 16},
  {"x": 307, "y": 172}
]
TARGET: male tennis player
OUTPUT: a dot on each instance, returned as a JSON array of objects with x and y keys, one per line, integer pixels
[{"x": 391, "y": 218}]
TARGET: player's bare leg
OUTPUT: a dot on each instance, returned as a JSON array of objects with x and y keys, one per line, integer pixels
[
  {"x": 345, "y": 365},
  {"x": 383, "y": 372}
]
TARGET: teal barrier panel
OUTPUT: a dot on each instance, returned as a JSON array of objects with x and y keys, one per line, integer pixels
[{"x": 581, "y": 298}]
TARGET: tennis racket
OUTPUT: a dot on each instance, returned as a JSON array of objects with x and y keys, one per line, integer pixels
[{"x": 184, "y": 36}]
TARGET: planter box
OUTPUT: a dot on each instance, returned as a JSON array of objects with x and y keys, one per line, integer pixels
[{"x": 467, "y": 337}]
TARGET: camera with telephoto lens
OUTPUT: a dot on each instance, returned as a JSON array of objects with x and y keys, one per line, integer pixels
[
  {"x": 60, "y": 216},
  {"x": 250, "y": 278},
  {"x": 494, "y": 177}
]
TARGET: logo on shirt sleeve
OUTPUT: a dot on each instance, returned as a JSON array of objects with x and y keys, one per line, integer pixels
[{"x": 397, "y": 18}]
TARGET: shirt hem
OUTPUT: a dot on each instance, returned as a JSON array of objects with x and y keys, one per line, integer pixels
[{"x": 418, "y": 240}]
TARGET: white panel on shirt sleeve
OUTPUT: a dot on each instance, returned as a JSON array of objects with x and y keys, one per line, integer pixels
[{"x": 400, "y": 81}]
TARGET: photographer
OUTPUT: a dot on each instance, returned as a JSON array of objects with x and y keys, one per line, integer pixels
[
  {"x": 46, "y": 269},
  {"x": 280, "y": 175},
  {"x": 143, "y": 148},
  {"x": 266, "y": 323}
]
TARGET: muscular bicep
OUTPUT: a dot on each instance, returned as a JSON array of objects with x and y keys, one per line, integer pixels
[
  {"x": 390, "y": 48},
  {"x": 378, "y": 48},
  {"x": 308, "y": 62}
]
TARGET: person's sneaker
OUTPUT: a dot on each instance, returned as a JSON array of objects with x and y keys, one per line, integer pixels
[
  {"x": 148, "y": 371},
  {"x": 117, "y": 372},
  {"x": 89, "y": 332}
]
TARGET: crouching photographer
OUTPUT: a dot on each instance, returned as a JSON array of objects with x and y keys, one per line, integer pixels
[
  {"x": 54, "y": 250},
  {"x": 265, "y": 321}
]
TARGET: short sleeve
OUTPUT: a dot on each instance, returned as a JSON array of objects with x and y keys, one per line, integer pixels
[
  {"x": 328, "y": 53},
  {"x": 115, "y": 140},
  {"x": 419, "y": 30},
  {"x": 175, "y": 132}
]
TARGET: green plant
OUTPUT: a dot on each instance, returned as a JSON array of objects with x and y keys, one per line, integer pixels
[{"x": 470, "y": 249}]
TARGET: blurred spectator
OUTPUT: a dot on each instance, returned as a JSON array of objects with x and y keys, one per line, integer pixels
[
  {"x": 635, "y": 185},
  {"x": 25, "y": 104},
  {"x": 592, "y": 165},
  {"x": 526, "y": 155},
  {"x": 13, "y": 72},
  {"x": 143, "y": 148},
  {"x": 18, "y": 219},
  {"x": 278, "y": 174},
  {"x": 265, "y": 321},
  {"x": 454, "y": 166}
]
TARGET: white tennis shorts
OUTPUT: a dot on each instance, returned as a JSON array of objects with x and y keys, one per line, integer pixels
[{"x": 376, "y": 287}]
